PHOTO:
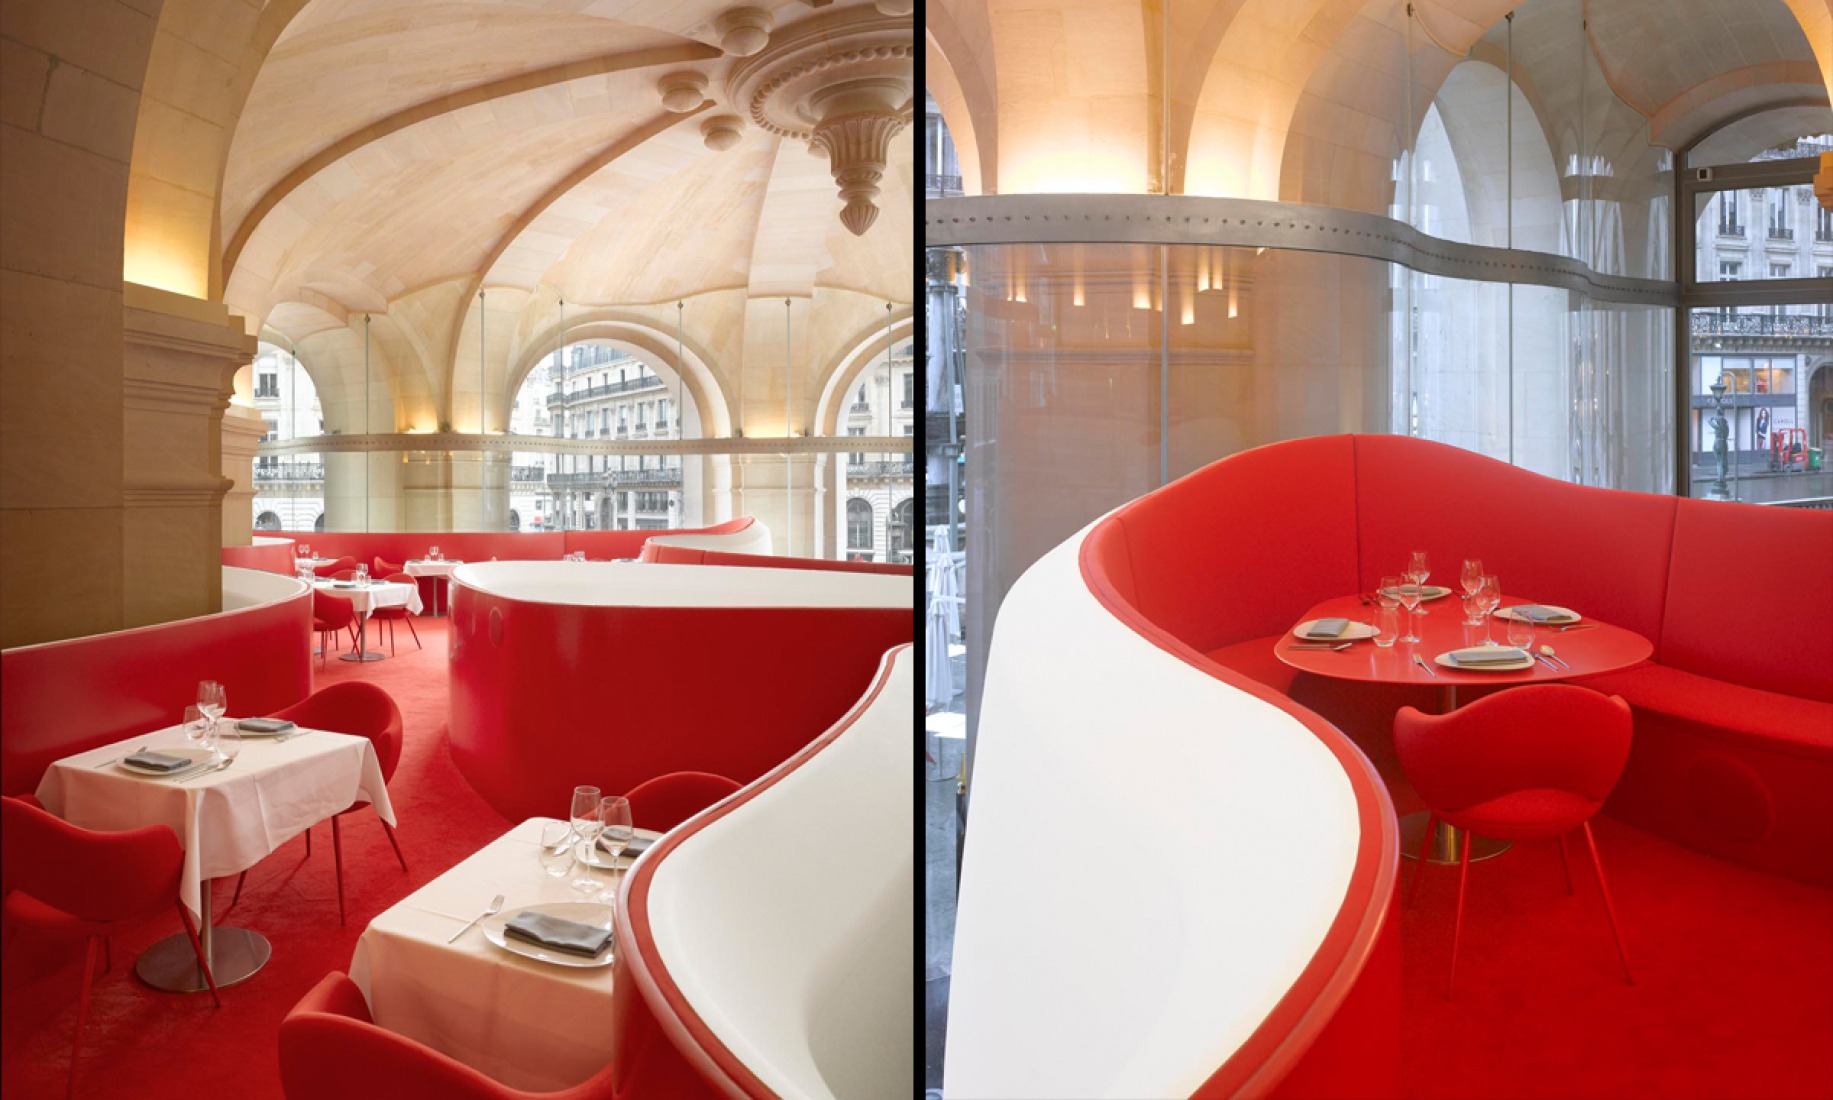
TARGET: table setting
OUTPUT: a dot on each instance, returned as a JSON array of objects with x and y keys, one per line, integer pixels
[
  {"x": 505, "y": 961},
  {"x": 233, "y": 791},
  {"x": 435, "y": 565},
  {"x": 365, "y": 595}
]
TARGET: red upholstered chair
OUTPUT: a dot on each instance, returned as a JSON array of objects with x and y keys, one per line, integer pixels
[
  {"x": 667, "y": 800},
  {"x": 70, "y": 882},
  {"x": 344, "y": 574},
  {"x": 385, "y": 568},
  {"x": 331, "y": 1050},
  {"x": 331, "y": 614},
  {"x": 338, "y": 566},
  {"x": 1528, "y": 763},
  {"x": 361, "y": 710},
  {"x": 393, "y": 615}
]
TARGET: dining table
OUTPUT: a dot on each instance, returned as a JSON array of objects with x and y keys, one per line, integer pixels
[
  {"x": 439, "y": 569},
  {"x": 228, "y": 817},
  {"x": 1585, "y": 647},
  {"x": 364, "y": 598},
  {"x": 526, "y": 1023}
]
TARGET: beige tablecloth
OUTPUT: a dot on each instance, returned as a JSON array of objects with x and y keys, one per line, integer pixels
[
  {"x": 528, "y": 1024},
  {"x": 229, "y": 820},
  {"x": 386, "y": 594},
  {"x": 441, "y": 568}
]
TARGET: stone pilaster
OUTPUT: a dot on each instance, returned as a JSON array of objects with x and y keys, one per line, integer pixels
[
  {"x": 178, "y": 370},
  {"x": 242, "y": 432}
]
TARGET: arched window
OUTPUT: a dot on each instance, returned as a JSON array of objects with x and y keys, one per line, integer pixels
[
  {"x": 859, "y": 524},
  {"x": 903, "y": 531},
  {"x": 319, "y": 523},
  {"x": 515, "y": 520},
  {"x": 267, "y": 521}
]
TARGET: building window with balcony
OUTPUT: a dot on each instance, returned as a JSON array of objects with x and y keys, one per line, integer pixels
[
  {"x": 1823, "y": 224},
  {"x": 909, "y": 388},
  {"x": 858, "y": 524},
  {"x": 1778, "y": 215},
  {"x": 903, "y": 531},
  {"x": 1730, "y": 213},
  {"x": 267, "y": 384},
  {"x": 857, "y": 458},
  {"x": 273, "y": 429}
]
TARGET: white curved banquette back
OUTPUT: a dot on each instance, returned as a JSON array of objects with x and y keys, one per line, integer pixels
[
  {"x": 1154, "y": 858},
  {"x": 753, "y": 538},
  {"x": 783, "y": 916}
]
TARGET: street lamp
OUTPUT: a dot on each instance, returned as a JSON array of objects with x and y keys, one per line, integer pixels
[{"x": 1720, "y": 429}]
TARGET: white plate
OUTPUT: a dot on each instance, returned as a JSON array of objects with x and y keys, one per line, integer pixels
[
  {"x": 1444, "y": 661},
  {"x": 1431, "y": 592},
  {"x": 1570, "y": 616},
  {"x": 585, "y": 912},
  {"x": 599, "y": 858},
  {"x": 1351, "y": 632},
  {"x": 196, "y": 756}
]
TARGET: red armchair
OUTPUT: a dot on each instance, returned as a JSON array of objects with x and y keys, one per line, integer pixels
[
  {"x": 338, "y": 566},
  {"x": 393, "y": 615},
  {"x": 385, "y": 568},
  {"x": 1524, "y": 764},
  {"x": 331, "y": 1050},
  {"x": 331, "y": 614},
  {"x": 667, "y": 800},
  {"x": 361, "y": 710},
  {"x": 69, "y": 882}
]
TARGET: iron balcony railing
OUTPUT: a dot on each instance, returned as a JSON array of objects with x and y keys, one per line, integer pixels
[
  {"x": 605, "y": 389},
  {"x": 1797, "y": 325},
  {"x": 528, "y": 473},
  {"x": 947, "y": 185},
  {"x": 290, "y": 471},
  {"x": 1725, "y": 230},
  {"x": 896, "y": 468},
  {"x": 1781, "y": 233},
  {"x": 617, "y": 477}
]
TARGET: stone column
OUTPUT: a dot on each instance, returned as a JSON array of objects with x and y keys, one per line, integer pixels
[
  {"x": 242, "y": 432},
  {"x": 178, "y": 370},
  {"x": 760, "y": 482}
]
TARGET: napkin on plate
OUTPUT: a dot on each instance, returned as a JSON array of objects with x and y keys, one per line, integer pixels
[
  {"x": 570, "y": 936},
  {"x": 264, "y": 725},
  {"x": 158, "y": 761},
  {"x": 637, "y": 846},
  {"x": 1488, "y": 655},
  {"x": 1327, "y": 628},
  {"x": 1540, "y": 614}
]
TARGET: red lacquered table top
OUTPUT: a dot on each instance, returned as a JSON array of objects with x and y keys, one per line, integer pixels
[{"x": 1601, "y": 648}]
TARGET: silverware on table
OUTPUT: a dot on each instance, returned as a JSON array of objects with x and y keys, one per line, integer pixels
[
  {"x": 1548, "y": 650},
  {"x": 285, "y": 737},
  {"x": 1425, "y": 666},
  {"x": 495, "y": 907},
  {"x": 1336, "y": 646},
  {"x": 207, "y": 771},
  {"x": 1576, "y": 626},
  {"x": 1543, "y": 659}
]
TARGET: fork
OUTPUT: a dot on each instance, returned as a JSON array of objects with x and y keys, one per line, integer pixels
[
  {"x": 1337, "y": 648},
  {"x": 1425, "y": 666},
  {"x": 1576, "y": 626},
  {"x": 495, "y": 907},
  {"x": 206, "y": 771}
]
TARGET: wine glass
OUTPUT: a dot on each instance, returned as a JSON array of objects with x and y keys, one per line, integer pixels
[
  {"x": 586, "y": 824},
  {"x": 212, "y": 701},
  {"x": 1488, "y": 598},
  {"x": 195, "y": 724},
  {"x": 1472, "y": 576},
  {"x": 614, "y": 816},
  {"x": 1417, "y": 572},
  {"x": 1409, "y": 598},
  {"x": 556, "y": 851},
  {"x": 1521, "y": 633}
]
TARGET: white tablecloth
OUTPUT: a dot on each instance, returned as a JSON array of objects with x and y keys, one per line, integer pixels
[
  {"x": 227, "y": 821},
  {"x": 441, "y": 568},
  {"x": 384, "y": 594},
  {"x": 530, "y": 1025}
]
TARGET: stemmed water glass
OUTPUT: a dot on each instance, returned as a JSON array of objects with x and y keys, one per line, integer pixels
[
  {"x": 1487, "y": 599},
  {"x": 586, "y": 825},
  {"x": 614, "y": 817},
  {"x": 1471, "y": 579},
  {"x": 1409, "y": 598},
  {"x": 1417, "y": 572},
  {"x": 212, "y": 701}
]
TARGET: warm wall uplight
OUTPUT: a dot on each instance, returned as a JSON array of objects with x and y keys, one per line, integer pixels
[
  {"x": 180, "y": 276},
  {"x": 1142, "y": 293},
  {"x": 1233, "y": 308}
]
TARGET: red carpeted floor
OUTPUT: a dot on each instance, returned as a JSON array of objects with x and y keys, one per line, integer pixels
[
  {"x": 145, "y": 1044},
  {"x": 1734, "y": 968}
]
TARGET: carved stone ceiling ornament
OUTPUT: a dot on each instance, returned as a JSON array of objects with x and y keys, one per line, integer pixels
[{"x": 844, "y": 84}]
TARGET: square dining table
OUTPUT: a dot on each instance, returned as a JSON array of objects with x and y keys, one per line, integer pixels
[
  {"x": 528, "y": 1024},
  {"x": 1587, "y": 648},
  {"x": 227, "y": 821},
  {"x": 364, "y": 599},
  {"x": 440, "y": 571}
]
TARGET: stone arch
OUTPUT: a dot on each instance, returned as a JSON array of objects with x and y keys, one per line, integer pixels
[
  {"x": 967, "y": 96},
  {"x": 641, "y": 338},
  {"x": 267, "y": 521},
  {"x": 856, "y": 355}
]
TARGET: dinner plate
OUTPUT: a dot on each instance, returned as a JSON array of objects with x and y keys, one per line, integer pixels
[
  {"x": 596, "y": 857},
  {"x": 585, "y": 912},
  {"x": 1427, "y": 595},
  {"x": 1444, "y": 661},
  {"x": 1350, "y": 633},
  {"x": 1567, "y": 616},
  {"x": 196, "y": 756}
]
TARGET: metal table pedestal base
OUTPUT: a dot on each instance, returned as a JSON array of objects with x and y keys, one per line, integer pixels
[
  {"x": 235, "y": 955},
  {"x": 1445, "y": 841}
]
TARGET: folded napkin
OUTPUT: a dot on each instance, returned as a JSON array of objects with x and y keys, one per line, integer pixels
[
  {"x": 264, "y": 725},
  {"x": 159, "y": 761},
  {"x": 1488, "y": 655},
  {"x": 637, "y": 845},
  {"x": 1327, "y": 628},
  {"x": 569, "y": 936},
  {"x": 1536, "y": 613}
]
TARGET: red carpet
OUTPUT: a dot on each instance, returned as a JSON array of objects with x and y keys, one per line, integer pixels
[
  {"x": 142, "y": 1043},
  {"x": 1735, "y": 968}
]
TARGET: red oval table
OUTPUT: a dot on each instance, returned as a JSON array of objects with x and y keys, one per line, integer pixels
[{"x": 1591, "y": 647}]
